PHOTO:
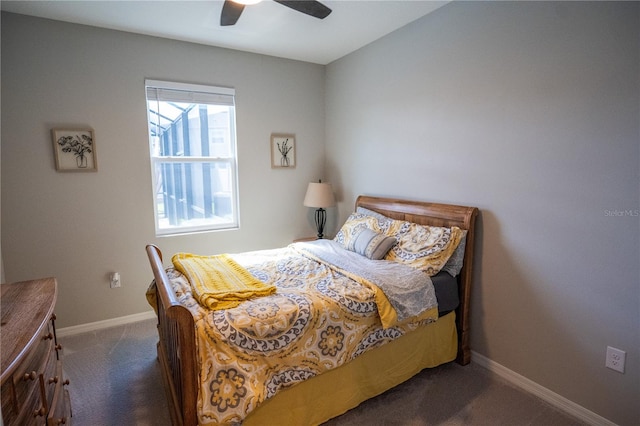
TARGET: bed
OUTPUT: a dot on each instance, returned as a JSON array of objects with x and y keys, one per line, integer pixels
[{"x": 425, "y": 342}]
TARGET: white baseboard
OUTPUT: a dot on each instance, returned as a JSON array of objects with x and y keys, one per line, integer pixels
[
  {"x": 558, "y": 401},
  {"x": 98, "y": 325}
]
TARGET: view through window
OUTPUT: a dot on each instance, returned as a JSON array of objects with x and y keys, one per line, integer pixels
[{"x": 192, "y": 140}]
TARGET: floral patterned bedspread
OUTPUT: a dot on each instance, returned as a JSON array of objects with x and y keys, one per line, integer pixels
[{"x": 317, "y": 320}]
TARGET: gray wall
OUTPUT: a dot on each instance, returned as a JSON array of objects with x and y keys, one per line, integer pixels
[
  {"x": 79, "y": 227},
  {"x": 529, "y": 111}
]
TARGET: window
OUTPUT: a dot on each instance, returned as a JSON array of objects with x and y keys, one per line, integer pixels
[{"x": 192, "y": 142}]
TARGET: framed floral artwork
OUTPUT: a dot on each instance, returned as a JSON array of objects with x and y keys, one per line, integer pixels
[
  {"x": 283, "y": 151},
  {"x": 75, "y": 150}
]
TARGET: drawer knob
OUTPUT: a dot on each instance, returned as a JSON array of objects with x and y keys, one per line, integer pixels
[
  {"x": 53, "y": 379},
  {"x": 58, "y": 347},
  {"x": 62, "y": 421},
  {"x": 66, "y": 382},
  {"x": 48, "y": 336},
  {"x": 30, "y": 376},
  {"x": 39, "y": 412}
]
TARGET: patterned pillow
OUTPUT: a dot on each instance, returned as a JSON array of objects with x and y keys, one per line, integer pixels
[
  {"x": 352, "y": 225},
  {"x": 423, "y": 247},
  {"x": 372, "y": 213},
  {"x": 370, "y": 243}
]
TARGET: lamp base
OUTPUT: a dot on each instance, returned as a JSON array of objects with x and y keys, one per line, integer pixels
[{"x": 321, "y": 219}]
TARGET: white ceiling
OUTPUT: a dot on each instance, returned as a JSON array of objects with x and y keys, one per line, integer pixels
[{"x": 268, "y": 27}]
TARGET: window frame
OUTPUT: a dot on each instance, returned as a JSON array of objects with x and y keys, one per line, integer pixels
[{"x": 198, "y": 95}]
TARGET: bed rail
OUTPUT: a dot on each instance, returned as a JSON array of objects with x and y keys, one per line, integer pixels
[{"x": 176, "y": 346}]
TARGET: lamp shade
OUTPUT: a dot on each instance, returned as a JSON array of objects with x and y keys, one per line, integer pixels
[{"x": 319, "y": 195}]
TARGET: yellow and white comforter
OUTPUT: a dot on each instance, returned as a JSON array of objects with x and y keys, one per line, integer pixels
[{"x": 317, "y": 320}]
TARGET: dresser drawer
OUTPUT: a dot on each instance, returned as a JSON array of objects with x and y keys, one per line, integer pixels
[
  {"x": 60, "y": 411},
  {"x": 32, "y": 386},
  {"x": 26, "y": 387}
]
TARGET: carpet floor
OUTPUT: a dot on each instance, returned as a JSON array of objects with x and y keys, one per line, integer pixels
[{"x": 115, "y": 380}]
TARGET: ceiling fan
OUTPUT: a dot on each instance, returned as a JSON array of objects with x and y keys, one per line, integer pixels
[{"x": 232, "y": 9}]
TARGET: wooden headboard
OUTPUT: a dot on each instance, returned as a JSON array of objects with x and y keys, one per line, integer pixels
[{"x": 447, "y": 215}]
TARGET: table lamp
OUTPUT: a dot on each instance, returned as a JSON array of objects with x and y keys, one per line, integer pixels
[{"x": 319, "y": 195}]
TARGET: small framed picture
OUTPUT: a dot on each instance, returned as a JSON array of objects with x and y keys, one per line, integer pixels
[
  {"x": 283, "y": 151},
  {"x": 75, "y": 150}
]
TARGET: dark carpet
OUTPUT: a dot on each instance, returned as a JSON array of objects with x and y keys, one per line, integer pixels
[{"x": 115, "y": 380}]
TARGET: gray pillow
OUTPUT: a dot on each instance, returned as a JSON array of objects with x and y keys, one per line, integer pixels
[
  {"x": 455, "y": 262},
  {"x": 371, "y": 244}
]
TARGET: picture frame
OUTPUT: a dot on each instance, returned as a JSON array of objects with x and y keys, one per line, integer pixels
[
  {"x": 283, "y": 151},
  {"x": 75, "y": 150}
]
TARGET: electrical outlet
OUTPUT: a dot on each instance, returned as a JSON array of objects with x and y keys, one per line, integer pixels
[
  {"x": 115, "y": 280},
  {"x": 615, "y": 359}
]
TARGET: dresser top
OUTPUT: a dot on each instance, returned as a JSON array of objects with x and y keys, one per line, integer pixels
[{"x": 25, "y": 309}]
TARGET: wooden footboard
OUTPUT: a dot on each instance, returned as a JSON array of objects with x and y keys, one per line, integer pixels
[{"x": 176, "y": 346}]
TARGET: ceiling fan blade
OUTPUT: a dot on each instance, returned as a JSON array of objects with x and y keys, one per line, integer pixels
[
  {"x": 231, "y": 11},
  {"x": 309, "y": 7}
]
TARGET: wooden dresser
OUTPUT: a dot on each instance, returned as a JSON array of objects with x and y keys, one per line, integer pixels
[{"x": 33, "y": 387}]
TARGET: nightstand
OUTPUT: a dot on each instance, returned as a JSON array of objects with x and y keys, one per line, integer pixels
[{"x": 299, "y": 240}]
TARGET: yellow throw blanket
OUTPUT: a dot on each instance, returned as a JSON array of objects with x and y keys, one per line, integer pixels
[{"x": 218, "y": 282}]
